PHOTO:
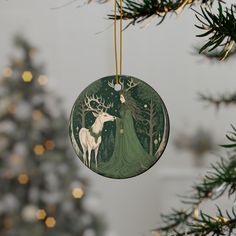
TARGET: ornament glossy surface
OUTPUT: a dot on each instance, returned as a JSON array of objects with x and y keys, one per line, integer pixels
[{"x": 119, "y": 134}]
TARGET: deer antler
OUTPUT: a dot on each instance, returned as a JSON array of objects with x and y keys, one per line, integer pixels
[
  {"x": 131, "y": 84},
  {"x": 100, "y": 104},
  {"x": 112, "y": 83}
]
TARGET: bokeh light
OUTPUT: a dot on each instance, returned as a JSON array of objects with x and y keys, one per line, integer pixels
[
  {"x": 37, "y": 115},
  {"x": 77, "y": 193},
  {"x": 49, "y": 144},
  {"x": 23, "y": 179},
  {"x": 42, "y": 80},
  {"x": 50, "y": 222},
  {"x": 27, "y": 76},
  {"x": 41, "y": 214},
  {"x": 7, "y": 72},
  {"x": 39, "y": 149}
]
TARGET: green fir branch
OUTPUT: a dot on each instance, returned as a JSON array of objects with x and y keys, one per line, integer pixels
[
  {"x": 228, "y": 99},
  {"x": 218, "y": 181},
  {"x": 215, "y": 55},
  {"x": 139, "y": 11},
  {"x": 213, "y": 225},
  {"x": 220, "y": 29},
  {"x": 231, "y": 136},
  {"x": 175, "y": 221},
  {"x": 181, "y": 223}
]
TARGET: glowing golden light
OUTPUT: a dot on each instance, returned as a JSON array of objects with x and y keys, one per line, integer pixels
[
  {"x": 77, "y": 193},
  {"x": 49, "y": 144},
  {"x": 41, "y": 214},
  {"x": 27, "y": 76},
  {"x": 23, "y": 179},
  {"x": 43, "y": 80},
  {"x": 11, "y": 108},
  {"x": 7, "y": 72},
  {"x": 39, "y": 149},
  {"x": 50, "y": 222},
  {"x": 37, "y": 115}
]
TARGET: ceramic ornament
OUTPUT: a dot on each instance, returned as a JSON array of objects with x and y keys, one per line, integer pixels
[{"x": 119, "y": 130}]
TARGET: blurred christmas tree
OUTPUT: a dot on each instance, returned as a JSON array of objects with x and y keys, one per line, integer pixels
[{"x": 42, "y": 192}]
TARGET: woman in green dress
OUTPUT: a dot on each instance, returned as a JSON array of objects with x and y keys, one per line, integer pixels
[{"x": 129, "y": 157}]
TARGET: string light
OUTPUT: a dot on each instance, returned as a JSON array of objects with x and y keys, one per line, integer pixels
[
  {"x": 37, "y": 115},
  {"x": 77, "y": 193},
  {"x": 23, "y": 179},
  {"x": 49, "y": 144},
  {"x": 41, "y": 214},
  {"x": 39, "y": 149},
  {"x": 7, "y": 72},
  {"x": 50, "y": 222},
  {"x": 42, "y": 80},
  {"x": 27, "y": 76}
]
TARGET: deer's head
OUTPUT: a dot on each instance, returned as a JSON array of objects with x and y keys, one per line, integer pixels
[
  {"x": 96, "y": 104},
  {"x": 104, "y": 117}
]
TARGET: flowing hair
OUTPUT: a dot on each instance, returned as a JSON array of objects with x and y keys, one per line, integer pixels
[{"x": 132, "y": 105}]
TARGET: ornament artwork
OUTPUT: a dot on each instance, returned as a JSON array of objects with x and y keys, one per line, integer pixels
[{"x": 119, "y": 133}]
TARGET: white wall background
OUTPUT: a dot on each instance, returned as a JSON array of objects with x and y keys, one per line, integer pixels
[{"x": 162, "y": 56}]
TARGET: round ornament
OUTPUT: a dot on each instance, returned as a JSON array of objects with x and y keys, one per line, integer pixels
[{"x": 119, "y": 134}]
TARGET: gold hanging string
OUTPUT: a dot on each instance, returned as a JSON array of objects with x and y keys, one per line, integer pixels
[
  {"x": 115, "y": 40},
  {"x": 121, "y": 16}
]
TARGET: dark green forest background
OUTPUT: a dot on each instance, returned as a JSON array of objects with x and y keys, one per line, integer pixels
[{"x": 146, "y": 98}]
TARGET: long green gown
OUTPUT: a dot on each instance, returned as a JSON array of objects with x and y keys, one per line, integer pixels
[{"x": 129, "y": 158}]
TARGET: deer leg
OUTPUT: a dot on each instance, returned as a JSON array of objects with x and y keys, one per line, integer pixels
[
  {"x": 85, "y": 157},
  {"x": 84, "y": 154},
  {"x": 96, "y": 154},
  {"x": 89, "y": 156}
]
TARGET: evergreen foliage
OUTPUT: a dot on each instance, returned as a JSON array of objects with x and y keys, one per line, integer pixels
[{"x": 219, "y": 26}]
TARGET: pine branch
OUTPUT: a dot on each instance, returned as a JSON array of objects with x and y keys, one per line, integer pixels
[
  {"x": 220, "y": 28},
  {"x": 229, "y": 99},
  {"x": 140, "y": 11},
  {"x": 181, "y": 223},
  {"x": 215, "y": 55},
  {"x": 222, "y": 177},
  {"x": 175, "y": 221},
  {"x": 217, "y": 225}
]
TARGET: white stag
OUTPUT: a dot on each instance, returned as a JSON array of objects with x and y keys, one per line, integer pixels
[{"x": 90, "y": 139}]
